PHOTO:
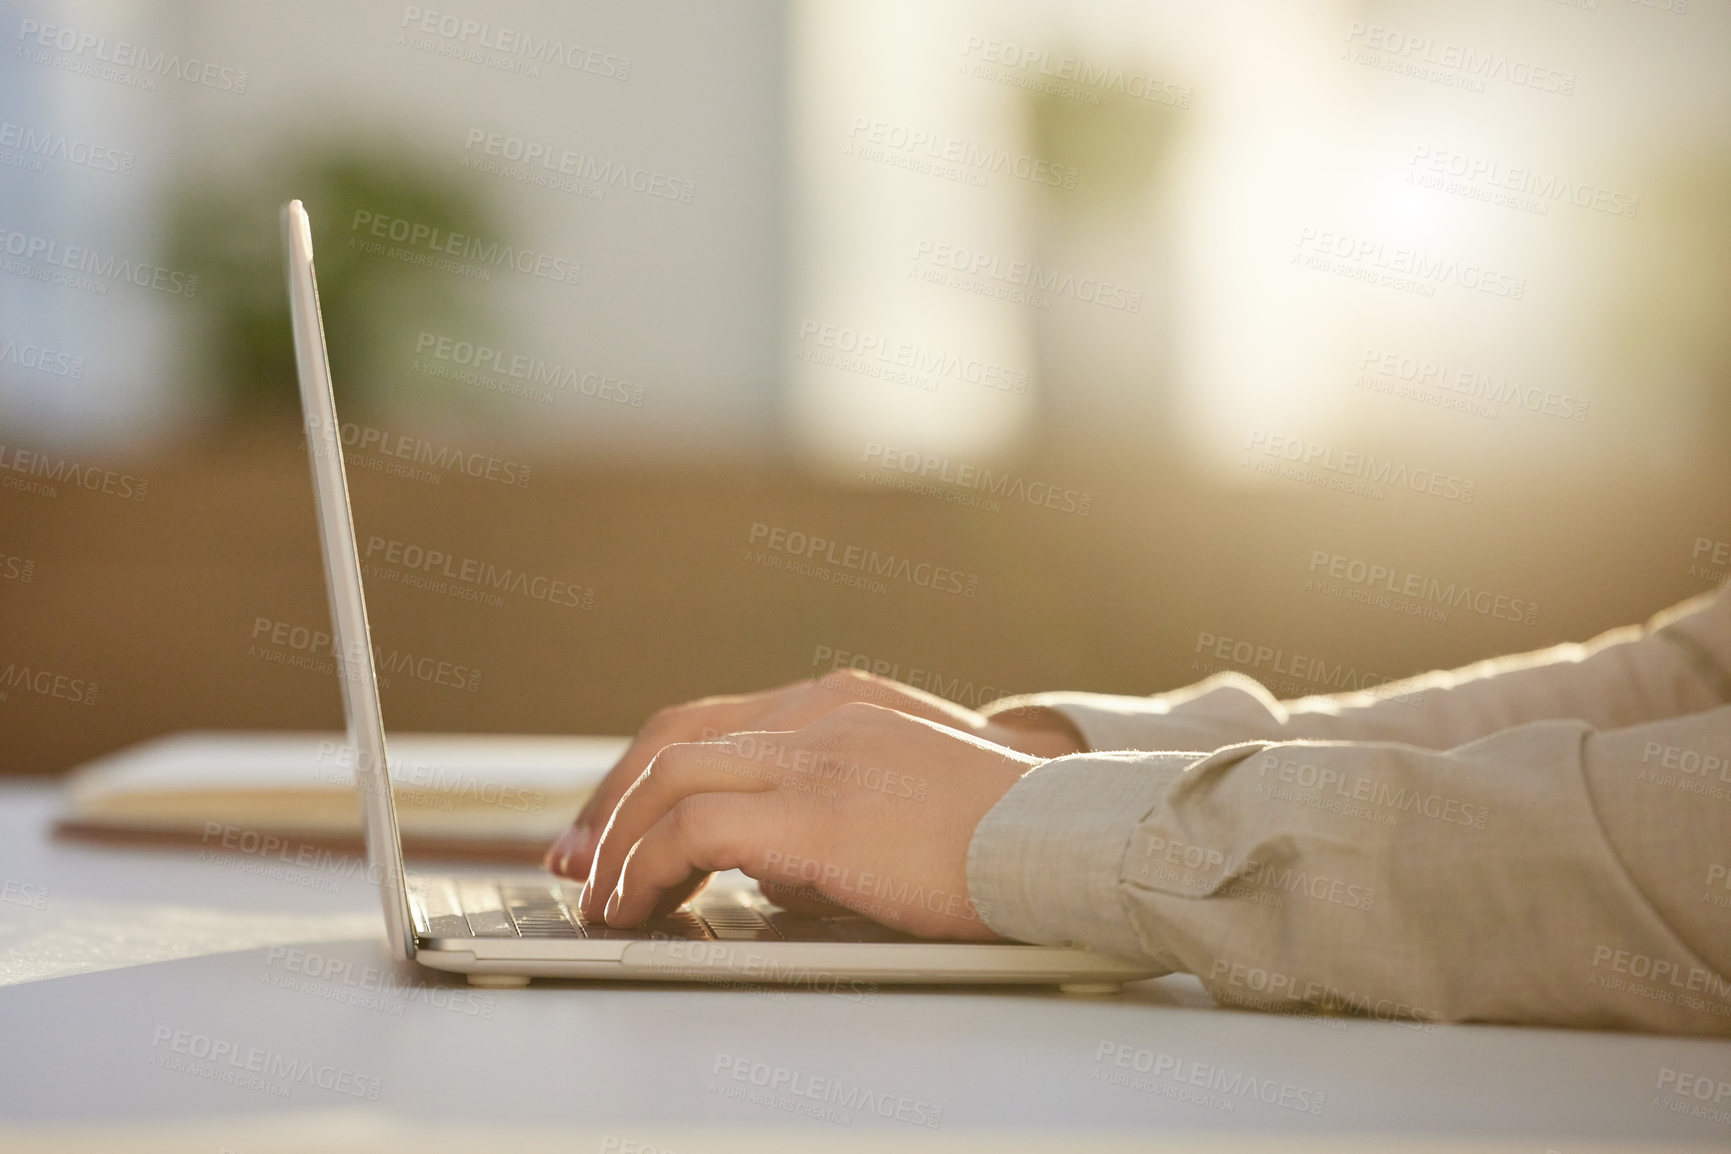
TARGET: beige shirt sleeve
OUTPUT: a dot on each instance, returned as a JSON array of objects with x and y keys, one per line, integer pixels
[
  {"x": 1545, "y": 839},
  {"x": 1679, "y": 663}
]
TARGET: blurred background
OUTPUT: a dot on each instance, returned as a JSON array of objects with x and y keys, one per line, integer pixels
[{"x": 996, "y": 346}]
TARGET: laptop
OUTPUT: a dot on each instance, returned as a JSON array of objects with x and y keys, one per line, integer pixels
[{"x": 506, "y": 931}]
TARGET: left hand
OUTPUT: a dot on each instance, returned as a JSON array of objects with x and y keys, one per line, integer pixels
[{"x": 867, "y": 808}]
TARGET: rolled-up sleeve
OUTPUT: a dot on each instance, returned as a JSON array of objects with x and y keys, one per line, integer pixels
[{"x": 1553, "y": 872}]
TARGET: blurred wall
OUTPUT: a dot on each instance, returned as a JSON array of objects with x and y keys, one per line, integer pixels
[{"x": 1330, "y": 343}]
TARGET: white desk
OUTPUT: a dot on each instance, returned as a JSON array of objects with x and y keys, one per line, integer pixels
[{"x": 130, "y": 945}]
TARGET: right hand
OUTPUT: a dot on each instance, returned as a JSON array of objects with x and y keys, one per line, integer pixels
[{"x": 1042, "y": 733}]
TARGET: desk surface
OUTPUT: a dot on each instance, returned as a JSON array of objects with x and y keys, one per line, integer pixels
[{"x": 173, "y": 999}]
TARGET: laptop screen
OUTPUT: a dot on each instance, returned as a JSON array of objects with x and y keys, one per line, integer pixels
[{"x": 354, "y": 649}]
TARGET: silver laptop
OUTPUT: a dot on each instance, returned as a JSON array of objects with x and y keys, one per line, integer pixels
[{"x": 503, "y": 932}]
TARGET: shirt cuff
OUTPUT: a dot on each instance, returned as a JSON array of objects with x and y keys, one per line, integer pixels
[{"x": 1046, "y": 862}]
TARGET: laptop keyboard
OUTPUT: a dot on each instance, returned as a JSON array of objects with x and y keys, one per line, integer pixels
[{"x": 460, "y": 908}]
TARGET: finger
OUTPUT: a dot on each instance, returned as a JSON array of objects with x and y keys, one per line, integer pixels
[
  {"x": 680, "y": 723},
  {"x": 677, "y": 772},
  {"x": 703, "y": 833},
  {"x": 571, "y": 854},
  {"x": 675, "y": 896},
  {"x": 791, "y": 706}
]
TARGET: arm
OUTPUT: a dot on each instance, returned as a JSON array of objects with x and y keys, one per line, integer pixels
[
  {"x": 1679, "y": 663},
  {"x": 1550, "y": 873}
]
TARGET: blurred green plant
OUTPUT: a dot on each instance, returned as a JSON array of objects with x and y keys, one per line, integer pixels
[
  {"x": 1118, "y": 143},
  {"x": 226, "y": 228}
]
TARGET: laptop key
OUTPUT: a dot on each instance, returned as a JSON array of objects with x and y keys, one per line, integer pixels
[
  {"x": 549, "y": 930},
  {"x": 439, "y": 904},
  {"x": 681, "y": 925},
  {"x": 483, "y": 908},
  {"x": 490, "y": 923},
  {"x": 448, "y": 926},
  {"x": 642, "y": 933},
  {"x": 538, "y": 913},
  {"x": 737, "y": 924},
  {"x": 794, "y": 927},
  {"x": 541, "y": 922}
]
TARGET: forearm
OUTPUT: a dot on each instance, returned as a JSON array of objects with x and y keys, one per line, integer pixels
[
  {"x": 1520, "y": 878},
  {"x": 1680, "y": 663}
]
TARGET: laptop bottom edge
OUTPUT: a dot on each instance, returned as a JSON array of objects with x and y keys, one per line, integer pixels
[{"x": 822, "y": 965}]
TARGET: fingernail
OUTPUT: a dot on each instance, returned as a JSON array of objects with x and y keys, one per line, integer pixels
[
  {"x": 559, "y": 857},
  {"x": 612, "y": 907}
]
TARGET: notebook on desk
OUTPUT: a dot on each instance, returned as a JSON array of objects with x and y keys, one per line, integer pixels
[{"x": 476, "y": 796}]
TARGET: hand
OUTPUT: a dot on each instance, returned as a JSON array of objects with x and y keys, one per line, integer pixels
[
  {"x": 1042, "y": 733},
  {"x": 867, "y": 808}
]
